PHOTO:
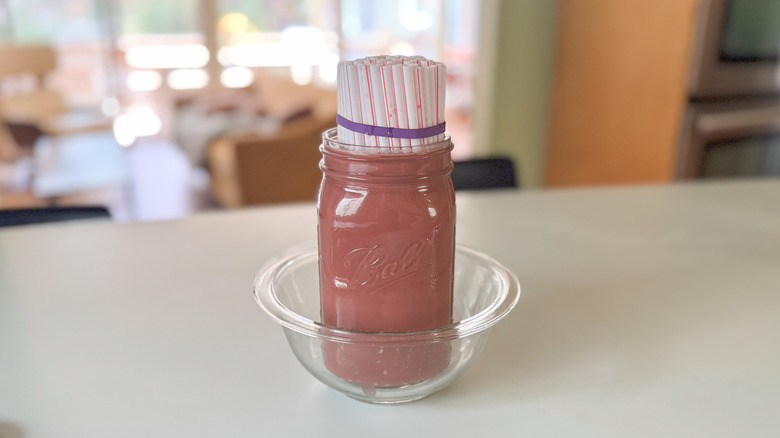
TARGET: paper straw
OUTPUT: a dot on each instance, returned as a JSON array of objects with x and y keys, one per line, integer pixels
[
  {"x": 380, "y": 107},
  {"x": 367, "y": 101},
  {"x": 353, "y": 95},
  {"x": 400, "y": 101},
  {"x": 441, "y": 90},
  {"x": 348, "y": 106},
  {"x": 344, "y": 135},
  {"x": 390, "y": 103},
  {"x": 428, "y": 99},
  {"x": 424, "y": 91},
  {"x": 413, "y": 105},
  {"x": 339, "y": 109}
]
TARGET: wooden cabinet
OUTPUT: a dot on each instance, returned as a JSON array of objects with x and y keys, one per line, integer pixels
[{"x": 619, "y": 90}]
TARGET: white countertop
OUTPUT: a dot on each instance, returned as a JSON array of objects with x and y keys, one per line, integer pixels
[{"x": 649, "y": 311}]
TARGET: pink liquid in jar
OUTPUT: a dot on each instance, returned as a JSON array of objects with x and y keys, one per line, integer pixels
[{"x": 386, "y": 236}]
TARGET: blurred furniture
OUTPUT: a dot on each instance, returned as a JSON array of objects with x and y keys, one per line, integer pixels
[
  {"x": 68, "y": 149},
  {"x": 20, "y": 199},
  {"x": 731, "y": 127},
  {"x": 27, "y": 100},
  {"x": 62, "y": 165},
  {"x": 30, "y": 216},
  {"x": 9, "y": 149},
  {"x": 16, "y": 166},
  {"x": 279, "y": 165},
  {"x": 646, "y": 311},
  {"x": 79, "y": 162},
  {"x": 731, "y": 138},
  {"x": 484, "y": 173}
]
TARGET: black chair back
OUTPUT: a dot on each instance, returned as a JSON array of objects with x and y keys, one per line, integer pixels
[
  {"x": 484, "y": 173},
  {"x": 29, "y": 216}
]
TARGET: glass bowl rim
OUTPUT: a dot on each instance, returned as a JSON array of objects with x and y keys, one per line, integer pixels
[{"x": 266, "y": 298}]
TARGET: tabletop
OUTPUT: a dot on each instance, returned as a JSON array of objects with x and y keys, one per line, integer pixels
[{"x": 646, "y": 311}]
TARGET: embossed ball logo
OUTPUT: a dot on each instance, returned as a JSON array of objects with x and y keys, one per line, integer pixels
[{"x": 379, "y": 267}]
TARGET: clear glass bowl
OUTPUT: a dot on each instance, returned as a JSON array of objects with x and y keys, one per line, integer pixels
[{"x": 287, "y": 288}]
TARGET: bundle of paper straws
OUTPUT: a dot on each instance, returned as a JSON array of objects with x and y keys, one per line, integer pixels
[{"x": 403, "y": 93}]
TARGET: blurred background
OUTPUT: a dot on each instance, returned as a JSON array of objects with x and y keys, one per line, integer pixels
[{"x": 161, "y": 109}]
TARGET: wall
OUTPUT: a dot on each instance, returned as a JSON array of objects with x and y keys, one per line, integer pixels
[{"x": 513, "y": 83}]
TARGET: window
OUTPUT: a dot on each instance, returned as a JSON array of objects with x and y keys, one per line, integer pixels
[
  {"x": 402, "y": 27},
  {"x": 73, "y": 27},
  {"x": 299, "y": 36},
  {"x": 162, "y": 43},
  {"x": 144, "y": 51}
]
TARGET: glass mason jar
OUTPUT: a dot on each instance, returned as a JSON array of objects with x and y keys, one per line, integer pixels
[{"x": 386, "y": 237}]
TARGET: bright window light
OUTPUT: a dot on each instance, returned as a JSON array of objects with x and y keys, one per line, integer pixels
[
  {"x": 295, "y": 45},
  {"x": 233, "y": 22},
  {"x": 402, "y": 48},
  {"x": 144, "y": 80},
  {"x": 123, "y": 130},
  {"x": 138, "y": 121},
  {"x": 259, "y": 54},
  {"x": 329, "y": 67},
  {"x": 413, "y": 18},
  {"x": 162, "y": 56},
  {"x": 301, "y": 74},
  {"x": 237, "y": 77},
  {"x": 188, "y": 79},
  {"x": 110, "y": 106},
  {"x": 145, "y": 121}
]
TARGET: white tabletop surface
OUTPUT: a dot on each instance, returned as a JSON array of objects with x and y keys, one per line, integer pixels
[{"x": 649, "y": 311}]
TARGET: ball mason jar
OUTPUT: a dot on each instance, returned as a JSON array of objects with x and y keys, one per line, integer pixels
[{"x": 386, "y": 237}]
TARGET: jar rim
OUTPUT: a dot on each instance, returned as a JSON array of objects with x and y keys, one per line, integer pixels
[{"x": 331, "y": 143}]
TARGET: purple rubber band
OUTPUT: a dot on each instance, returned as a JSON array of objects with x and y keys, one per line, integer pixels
[{"x": 382, "y": 131}]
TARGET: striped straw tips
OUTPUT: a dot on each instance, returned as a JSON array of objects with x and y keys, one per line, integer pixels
[{"x": 393, "y": 103}]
